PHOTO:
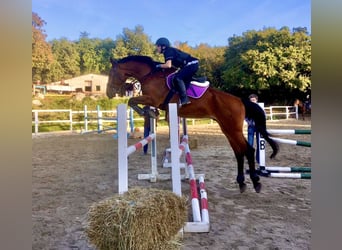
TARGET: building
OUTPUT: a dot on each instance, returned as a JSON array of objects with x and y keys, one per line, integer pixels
[{"x": 90, "y": 83}]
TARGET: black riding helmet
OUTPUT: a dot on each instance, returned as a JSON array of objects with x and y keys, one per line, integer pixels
[{"x": 163, "y": 42}]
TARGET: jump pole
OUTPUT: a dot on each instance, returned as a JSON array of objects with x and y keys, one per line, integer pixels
[
  {"x": 280, "y": 172},
  {"x": 292, "y": 142},
  {"x": 290, "y": 131}
]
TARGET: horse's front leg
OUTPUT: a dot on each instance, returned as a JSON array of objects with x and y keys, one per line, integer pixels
[{"x": 143, "y": 100}]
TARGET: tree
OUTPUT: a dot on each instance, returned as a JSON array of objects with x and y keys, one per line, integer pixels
[
  {"x": 42, "y": 57},
  {"x": 134, "y": 42},
  {"x": 269, "y": 59},
  {"x": 94, "y": 54},
  {"x": 67, "y": 59},
  {"x": 211, "y": 60},
  {"x": 105, "y": 48}
]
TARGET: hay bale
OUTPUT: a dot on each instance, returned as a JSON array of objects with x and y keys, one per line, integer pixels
[
  {"x": 139, "y": 219},
  {"x": 193, "y": 143}
]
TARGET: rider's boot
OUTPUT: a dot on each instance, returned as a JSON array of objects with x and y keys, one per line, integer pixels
[{"x": 182, "y": 92}]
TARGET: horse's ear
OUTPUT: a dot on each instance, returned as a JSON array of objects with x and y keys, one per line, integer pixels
[{"x": 113, "y": 61}]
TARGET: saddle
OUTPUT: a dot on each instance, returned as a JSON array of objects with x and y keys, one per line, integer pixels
[{"x": 195, "y": 89}]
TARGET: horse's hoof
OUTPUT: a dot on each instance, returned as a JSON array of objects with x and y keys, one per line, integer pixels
[
  {"x": 243, "y": 187},
  {"x": 257, "y": 187}
]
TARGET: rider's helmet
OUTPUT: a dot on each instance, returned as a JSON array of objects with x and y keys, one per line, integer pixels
[{"x": 163, "y": 42}]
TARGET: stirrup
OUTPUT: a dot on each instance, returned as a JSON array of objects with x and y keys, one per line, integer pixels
[{"x": 184, "y": 103}]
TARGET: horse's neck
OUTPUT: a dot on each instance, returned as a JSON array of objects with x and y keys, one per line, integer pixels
[
  {"x": 141, "y": 70},
  {"x": 138, "y": 71}
]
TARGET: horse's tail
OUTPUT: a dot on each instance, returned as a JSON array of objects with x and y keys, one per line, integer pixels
[{"x": 256, "y": 113}]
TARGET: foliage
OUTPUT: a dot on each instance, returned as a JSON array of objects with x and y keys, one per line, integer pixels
[
  {"x": 94, "y": 54},
  {"x": 211, "y": 59},
  {"x": 134, "y": 42},
  {"x": 268, "y": 59},
  {"x": 42, "y": 56},
  {"x": 68, "y": 59}
]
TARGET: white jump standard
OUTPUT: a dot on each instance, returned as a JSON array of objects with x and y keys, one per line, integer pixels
[{"x": 124, "y": 151}]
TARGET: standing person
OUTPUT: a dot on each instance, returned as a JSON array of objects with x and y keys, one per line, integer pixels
[
  {"x": 147, "y": 123},
  {"x": 251, "y": 130},
  {"x": 187, "y": 65}
]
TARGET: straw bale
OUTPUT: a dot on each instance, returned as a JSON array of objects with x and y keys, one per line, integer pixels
[{"x": 138, "y": 219}]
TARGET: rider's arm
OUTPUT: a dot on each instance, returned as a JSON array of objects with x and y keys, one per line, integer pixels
[{"x": 166, "y": 65}]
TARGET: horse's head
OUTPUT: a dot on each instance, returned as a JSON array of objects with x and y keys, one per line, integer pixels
[
  {"x": 116, "y": 79},
  {"x": 132, "y": 66}
]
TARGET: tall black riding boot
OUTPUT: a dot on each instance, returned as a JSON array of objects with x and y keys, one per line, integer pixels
[{"x": 182, "y": 92}]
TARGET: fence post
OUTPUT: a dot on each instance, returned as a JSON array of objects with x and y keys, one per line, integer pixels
[
  {"x": 85, "y": 118},
  {"x": 70, "y": 114},
  {"x": 99, "y": 120}
]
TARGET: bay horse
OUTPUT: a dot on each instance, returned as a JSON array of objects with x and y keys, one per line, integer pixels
[{"x": 227, "y": 110}]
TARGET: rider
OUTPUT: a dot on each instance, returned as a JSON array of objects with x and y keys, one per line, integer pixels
[{"x": 187, "y": 65}]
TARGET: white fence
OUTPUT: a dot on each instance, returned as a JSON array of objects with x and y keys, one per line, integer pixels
[
  {"x": 70, "y": 118},
  {"x": 107, "y": 117},
  {"x": 281, "y": 112}
]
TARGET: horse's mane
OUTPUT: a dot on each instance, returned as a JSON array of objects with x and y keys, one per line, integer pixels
[{"x": 136, "y": 58}]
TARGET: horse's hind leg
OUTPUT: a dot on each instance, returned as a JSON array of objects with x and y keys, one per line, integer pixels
[
  {"x": 241, "y": 149},
  {"x": 252, "y": 172},
  {"x": 239, "y": 145},
  {"x": 240, "y": 178}
]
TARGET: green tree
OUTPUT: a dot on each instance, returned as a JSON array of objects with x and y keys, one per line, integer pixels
[
  {"x": 67, "y": 59},
  {"x": 134, "y": 42},
  {"x": 89, "y": 54},
  {"x": 42, "y": 57},
  {"x": 211, "y": 60},
  {"x": 105, "y": 48},
  {"x": 268, "y": 59}
]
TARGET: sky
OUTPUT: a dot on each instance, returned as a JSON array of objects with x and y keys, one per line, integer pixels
[{"x": 196, "y": 22}]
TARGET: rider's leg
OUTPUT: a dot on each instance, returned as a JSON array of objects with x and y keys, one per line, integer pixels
[{"x": 180, "y": 85}]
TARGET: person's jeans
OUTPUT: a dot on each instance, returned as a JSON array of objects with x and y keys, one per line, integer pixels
[{"x": 250, "y": 137}]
